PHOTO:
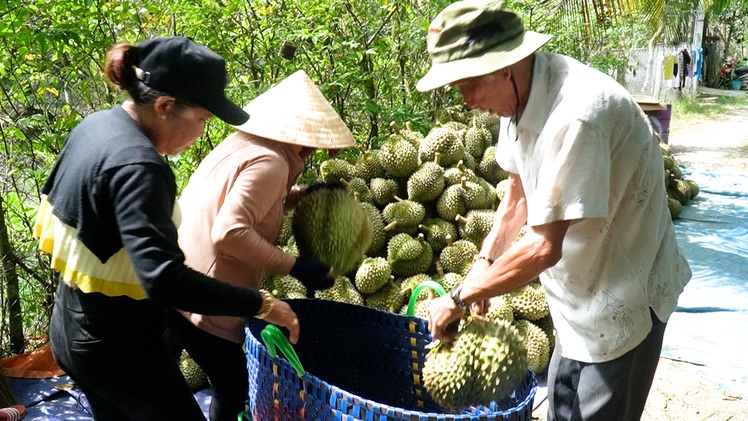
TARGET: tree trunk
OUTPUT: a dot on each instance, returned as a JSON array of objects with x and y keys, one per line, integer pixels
[{"x": 9, "y": 277}]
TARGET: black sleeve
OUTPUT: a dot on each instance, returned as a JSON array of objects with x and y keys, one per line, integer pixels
[{"x": 143, "y": 205}]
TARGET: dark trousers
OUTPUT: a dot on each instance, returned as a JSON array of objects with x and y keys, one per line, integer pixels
[
  {"x": 609, "y": 391},
  {"x": 112, "y": 348},
  {"x": 223, "y": 361}
]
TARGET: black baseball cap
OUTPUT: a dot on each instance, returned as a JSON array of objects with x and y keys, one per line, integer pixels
[{"x": 186, "y": 70}]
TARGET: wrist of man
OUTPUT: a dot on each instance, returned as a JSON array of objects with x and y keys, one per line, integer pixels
[
  {"x": 454, "y": 294},
  {"x": 482, "y": 257}
]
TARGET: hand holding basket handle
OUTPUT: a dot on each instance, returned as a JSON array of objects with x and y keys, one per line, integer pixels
[
  {"x": 282, "y": 315},
  {"x": 314, "y": 274}
]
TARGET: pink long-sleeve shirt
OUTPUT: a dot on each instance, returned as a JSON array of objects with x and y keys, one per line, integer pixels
[{"x": 232, "y": 212}]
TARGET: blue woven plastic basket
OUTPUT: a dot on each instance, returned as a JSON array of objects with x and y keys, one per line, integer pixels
[{"x": 361, "y": 364}]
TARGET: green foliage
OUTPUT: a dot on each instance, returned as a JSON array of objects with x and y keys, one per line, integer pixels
[{"x": 699, "y": 108}]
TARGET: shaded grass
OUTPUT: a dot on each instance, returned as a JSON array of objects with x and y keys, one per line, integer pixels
[{"x": 706, "y": 107}]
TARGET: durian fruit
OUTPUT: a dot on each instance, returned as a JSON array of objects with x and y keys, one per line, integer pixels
[
  {"x": 368, "y": 166},
  {"x": 501, "y": 188},
  {"x": 489, "y": 169},
  {"x": 409, "y": 256},
  {"x": 358, "y": 186},
  {"x": 286, "y": 230},
  {"x": 451, "y": 203},
  {"x": 458, "y": 256},
  {"x": 477, "y": 139},
  {"x": 378, "y": 233},
  {"x": 501, "y": 308},
  {"x": 694, "y": 188},
  {"x": 546, "y": 323},
  {"x": 681, "y": 192},
  {"x": 450, "y": 280},
  {"x": 475, "y": 225},
  {"x": 398, "y": 157},
  {"x": 343, "y": 291},
  {"x": 529, "y": 302},
  {"x": 436, "y": 231},
  {"x": 455, "y": 174},
  {"x": 408, "y": 214},
  {"x": 486, "y": 363},
  {"x": 372, "y": 275},
  {"x": 444, "y": 141},
  {"x": 408, "y": 285},
  {"x": 413, "y": 137},
  {"x": 427, "y": 182},
  {"x": 674, "y": 207},
  {"x": 451, "y": 113},
  {"x": 330, "y": 225},
  {"x": 334, "y": 169},
  {"x": 537, "y": 344},
  {"x": 383, "y": 190},
  {"x": 388, "y": 298},
  {"x": 195, "y": 376},
  {"x": 485, "y": 120},
  {"x": 286, "y": 287},
  {"x": 665, "y": 149}
]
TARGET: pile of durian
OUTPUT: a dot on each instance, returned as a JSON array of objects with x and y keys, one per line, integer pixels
[
  {"x": 430, "y": 201},
  {"x": 679, "y": 190}
]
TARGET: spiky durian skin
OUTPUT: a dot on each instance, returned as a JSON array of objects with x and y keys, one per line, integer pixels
[
  {"x": 359, "y": 186},
  {"x": 343, "y": 291},
  {"x": 537, "y": 344},
  {"x": 486, "y": 363},
  {"x": 372, "y": 275},
  {"x": 479, "y": 223},
  {"x": 444, "y": 141},
  {"x": 334, "y": 169},
  {"x": 378, "y": 234},
  {"x": 383, "y": 190},
  {"x": 405, "y": 259},
  {"x": 368, "y": 166},
  {"x": 286, "y": 287},
  {"x": 399, "y": 158},
  {"x": 389, "y": 298},
  {"x": 427, "y": 183},
  {"x": 407, "y": 213},
  {"x": 195, "y": 376},
  {"x": 437, "y": 231},
  {"x": 330, "y": 225},
  {"x": 458, "y": 257},
  {"x": 489, "y": 169},
  {"x": 501, "y": 308},
  {"x": 451, "y": 203},
  {"x": 529, "y": 302}
]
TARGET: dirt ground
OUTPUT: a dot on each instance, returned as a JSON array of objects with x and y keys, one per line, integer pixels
[{"x": 678, "y": 392}]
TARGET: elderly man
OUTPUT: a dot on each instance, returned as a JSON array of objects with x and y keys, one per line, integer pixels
[{"x": 586, "y": 176}]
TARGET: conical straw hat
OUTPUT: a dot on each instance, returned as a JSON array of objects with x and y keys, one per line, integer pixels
[{"x": 295, "y": 111}]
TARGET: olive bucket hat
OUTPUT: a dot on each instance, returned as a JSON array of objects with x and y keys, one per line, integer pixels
[{"x": 473, "y": 38}]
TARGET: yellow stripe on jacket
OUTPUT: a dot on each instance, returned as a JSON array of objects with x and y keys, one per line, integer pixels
[{"x": 78, "y": 266}]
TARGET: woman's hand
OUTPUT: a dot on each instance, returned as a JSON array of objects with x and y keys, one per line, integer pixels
[{"x": 282, "y": 315}]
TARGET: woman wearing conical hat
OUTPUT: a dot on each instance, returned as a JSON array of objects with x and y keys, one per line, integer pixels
[{"x": 232, "y": 211}]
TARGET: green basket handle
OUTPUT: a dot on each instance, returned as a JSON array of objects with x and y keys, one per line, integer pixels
[
  {"x": 244, "y": 416},
  {"x": 273, "y": 337},
  {"x": 436, "y": 286}
]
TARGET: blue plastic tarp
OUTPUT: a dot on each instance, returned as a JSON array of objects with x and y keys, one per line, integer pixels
[{"x": 709, "y": 326}]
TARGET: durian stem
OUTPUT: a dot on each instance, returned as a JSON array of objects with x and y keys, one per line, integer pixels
[
  {"x": 437, "y": 158},
  {"x": 461, "y": 219},
  {"x": 461, "y": 165},
  {"x": 463, "y": 182},
  {"x": 448, "y": 239},
  {"x": 390, "y": 226},
  {"x": 395, "y": 127},
  {"x": 439, "y": 268},
  {"x": 357, "y": 196},
  {"x": 397, "y": 198},
  {"x": 409, "y": 126},
  {"x": 344, "y": 182},
  {"x": 424, "y": 228}
]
